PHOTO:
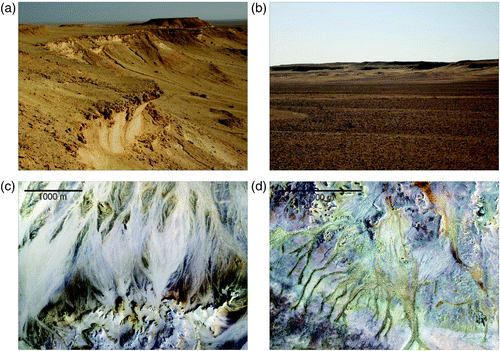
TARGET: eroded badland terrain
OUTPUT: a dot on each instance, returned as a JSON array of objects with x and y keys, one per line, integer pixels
[
  {"x": 385, "y": 115},
  {"x": 166, "y": 94}
]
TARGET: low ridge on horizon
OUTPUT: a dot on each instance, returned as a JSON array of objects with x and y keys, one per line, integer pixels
[
  {"x": 178, "y": 22},
  {"x": 420, "y": 65}
]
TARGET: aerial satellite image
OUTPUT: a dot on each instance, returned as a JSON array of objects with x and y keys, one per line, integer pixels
[{"x": 384, "y": 265}]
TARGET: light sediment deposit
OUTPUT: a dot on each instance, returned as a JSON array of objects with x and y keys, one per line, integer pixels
[
  {"x": 166, "y": 94},
  {"x": 129, "y": 265}
]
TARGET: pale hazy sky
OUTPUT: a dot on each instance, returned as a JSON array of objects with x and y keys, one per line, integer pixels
[
  {"x": 354, "y": 32},
  {"x": 126, "y": 12}
]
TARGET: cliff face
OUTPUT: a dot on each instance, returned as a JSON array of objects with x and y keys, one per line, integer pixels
[{"x": 91, "y": 89}]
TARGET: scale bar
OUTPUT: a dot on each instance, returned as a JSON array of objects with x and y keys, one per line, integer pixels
[
  {"x": 51, "y": 191},
  {"x": 325, "y": 191}
]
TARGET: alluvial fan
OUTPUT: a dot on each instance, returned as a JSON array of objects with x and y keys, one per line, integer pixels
[
  {"x": 379, "y": 265},
  {"x": 117, "y": 265}
]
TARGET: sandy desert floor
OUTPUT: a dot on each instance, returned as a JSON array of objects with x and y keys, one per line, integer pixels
[
  {"x": 385, "y": 116},
  {"x": 167, "y": 94}
]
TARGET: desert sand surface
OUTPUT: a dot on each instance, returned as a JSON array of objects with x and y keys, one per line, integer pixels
[
  {"x": 165, "y": 94},
  {"x": 385, "y": 116}
]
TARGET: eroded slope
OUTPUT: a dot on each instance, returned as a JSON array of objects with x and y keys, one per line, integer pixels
[{"x": 132, "y": 97}]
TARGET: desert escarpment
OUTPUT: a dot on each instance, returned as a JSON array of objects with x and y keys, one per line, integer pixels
[{"x": 151, "y": 96}]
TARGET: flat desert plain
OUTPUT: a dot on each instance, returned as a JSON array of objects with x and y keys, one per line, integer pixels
[
  {"x": 165, "y": 94},
  {"x": 385, "y": 116}
]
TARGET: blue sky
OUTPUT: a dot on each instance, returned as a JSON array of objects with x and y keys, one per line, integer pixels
[
  {"x": 112, "y": 12},
  {"x": 354, "y": 32}
]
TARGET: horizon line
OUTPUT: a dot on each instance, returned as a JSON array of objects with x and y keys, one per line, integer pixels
[{"x": 125, "y": 22}]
